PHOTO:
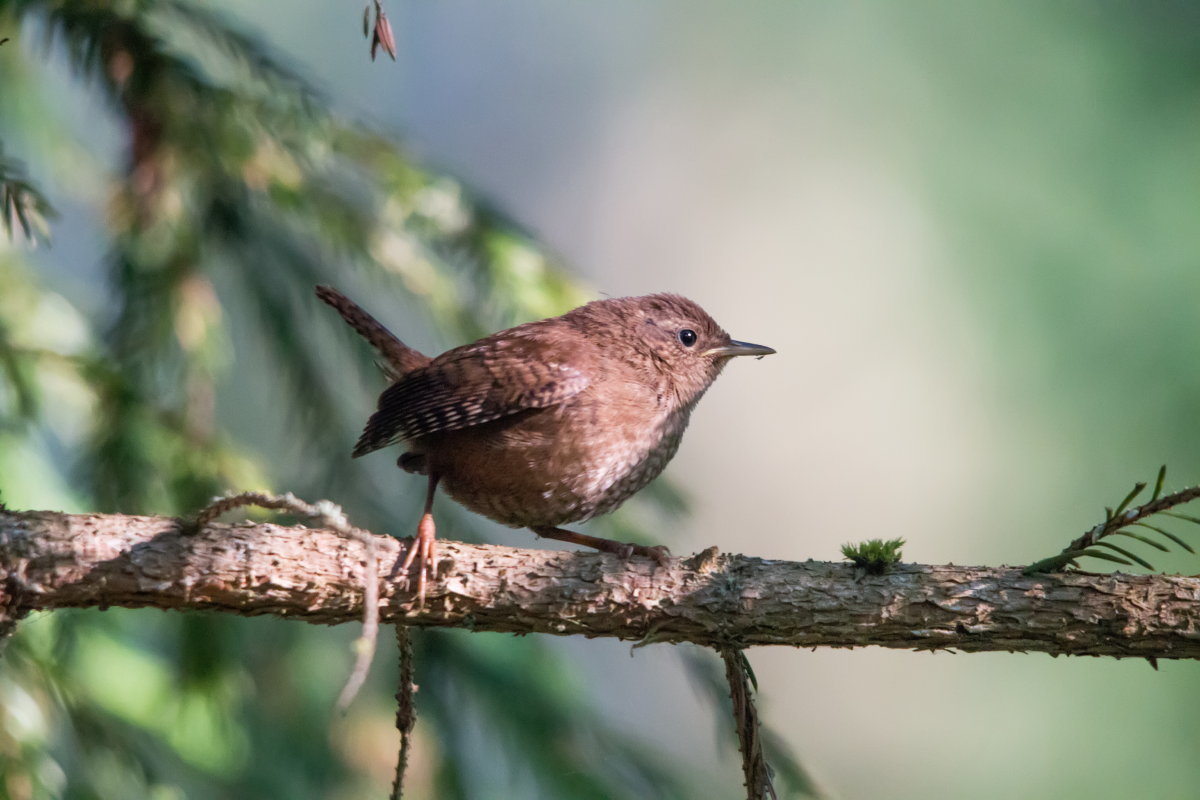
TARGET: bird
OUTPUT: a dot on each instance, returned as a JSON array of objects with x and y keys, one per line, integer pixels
[{"x": 550, "y": 422}]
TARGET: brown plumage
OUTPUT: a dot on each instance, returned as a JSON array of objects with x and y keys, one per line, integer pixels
[{"x": 550, "y": 422}]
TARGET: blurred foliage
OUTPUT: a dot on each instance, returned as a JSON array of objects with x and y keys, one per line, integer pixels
[{"x": 236, "y": 192}]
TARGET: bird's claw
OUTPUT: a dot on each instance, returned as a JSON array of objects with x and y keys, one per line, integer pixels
[
  {"x": 658, "y": 553},
  {"x": 422, "y": 552}
]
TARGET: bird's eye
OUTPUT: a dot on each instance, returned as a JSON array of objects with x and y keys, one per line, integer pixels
[{"x": 687, "y": 337}]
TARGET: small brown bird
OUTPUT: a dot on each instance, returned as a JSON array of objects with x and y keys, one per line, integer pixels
[{"x": 550, "y": 422}]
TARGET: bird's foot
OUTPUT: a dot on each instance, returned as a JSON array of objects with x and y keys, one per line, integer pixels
[
  {"x": 623, "y": 550},
  {"x": 423, "y": 553},
  {"x": 658, "y": 553}
]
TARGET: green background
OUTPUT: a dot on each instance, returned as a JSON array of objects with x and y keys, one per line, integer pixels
[{"x": 970, "y": 230}]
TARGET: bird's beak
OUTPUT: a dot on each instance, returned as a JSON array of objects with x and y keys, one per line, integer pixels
[{"x": 739, "y": 349}]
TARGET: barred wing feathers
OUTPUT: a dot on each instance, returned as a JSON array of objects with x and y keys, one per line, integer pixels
[{"x": 470, "y": 386}]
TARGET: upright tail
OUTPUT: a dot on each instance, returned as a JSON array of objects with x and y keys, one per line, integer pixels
[{"x": 398, "y": 358}]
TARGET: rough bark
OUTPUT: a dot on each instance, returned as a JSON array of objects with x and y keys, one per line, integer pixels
[{"x": 50, "y": 560}]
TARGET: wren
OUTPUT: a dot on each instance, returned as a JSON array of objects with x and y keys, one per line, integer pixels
[{"x": 550, "y": 422}]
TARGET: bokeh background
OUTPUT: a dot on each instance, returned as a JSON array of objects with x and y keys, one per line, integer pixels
[{"x": 970, "y": 230}]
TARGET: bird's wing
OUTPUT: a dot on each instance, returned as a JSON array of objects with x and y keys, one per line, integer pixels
[{"x": 472, "y": 385}]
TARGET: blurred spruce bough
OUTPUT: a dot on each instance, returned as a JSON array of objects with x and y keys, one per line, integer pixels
[{"x": 237, "y": 192}]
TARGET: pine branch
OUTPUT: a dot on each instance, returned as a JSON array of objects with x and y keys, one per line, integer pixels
[
  {"x": 50, "y": 560},
  {"x": 406, "y": 717},
  {"x": 756, "y": 772},
  {"x": 1117, "y": 522}
]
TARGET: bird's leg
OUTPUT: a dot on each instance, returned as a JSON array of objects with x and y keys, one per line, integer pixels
[
  {"x": 423, "y": 550},
  {"x": 622, "y": 549}
]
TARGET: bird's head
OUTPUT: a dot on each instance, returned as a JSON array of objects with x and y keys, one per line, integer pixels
[{"x": 671, "y": 340}]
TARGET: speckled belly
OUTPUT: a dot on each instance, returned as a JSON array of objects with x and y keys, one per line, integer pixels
[{"x": 503, "y": 474}]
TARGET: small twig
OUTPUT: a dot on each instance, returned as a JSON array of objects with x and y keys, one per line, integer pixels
[
  {"x": 381, "y": 32},
  {"x": 1123, "y": 517},
  {"x": 756, "y": 773},
  {"x": 364, "y": 647},
  {"x": 331, "y": 516},
  {"x": 406, "y": 716}
]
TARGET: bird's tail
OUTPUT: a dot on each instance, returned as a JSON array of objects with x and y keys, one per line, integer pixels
[{"x": 398, "y": 358}]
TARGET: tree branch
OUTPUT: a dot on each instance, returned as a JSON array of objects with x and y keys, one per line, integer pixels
[{"x": 50, "y": 560}]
